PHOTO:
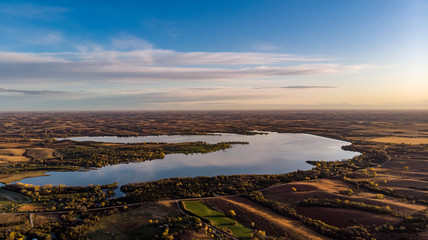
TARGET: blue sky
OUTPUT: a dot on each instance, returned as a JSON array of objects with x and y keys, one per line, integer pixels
[{"x": 148, "y": 55}]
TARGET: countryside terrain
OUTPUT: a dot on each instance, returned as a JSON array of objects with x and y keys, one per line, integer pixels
[{"x": 380, "y": 194}]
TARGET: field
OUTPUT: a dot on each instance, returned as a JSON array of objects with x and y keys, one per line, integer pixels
[
  {"x": 218, "y": 219},
  {"x": 134, "y": 223},
  {"x": 13, "y": 155},
  {"x": 32, "y": 207},
  {"x": 401, "y": 140},
  {"x": 345, "y": 217},
  {"x": 15, "y": 220},
  {"x": 387, "y": 195},
  {"x": 331, "y": 189},
  {"x": 274, "y": 224},
  {"x": 9, "y": 178}
]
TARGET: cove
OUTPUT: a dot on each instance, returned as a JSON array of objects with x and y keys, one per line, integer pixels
[{"x": 271, "y": 153}]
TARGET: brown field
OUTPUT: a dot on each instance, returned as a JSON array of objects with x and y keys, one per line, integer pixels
[
  {"x": 13, "y": 144},
  {"x": 124, "y": 225},
  {"x": 399, "y": 140},
  {"x": 330, "y": 189},
  {"x": 7, "y": 218},
  {"x": 40, "y": 153},
  {"x": 33, "y": 207},
  {"x": 340, "y": 217},
  {"x": 13, "y": 155},
  {"x": 12, "y": 151},
  {"x": 39, "y": 219},
  {"x": 9, "y": 178},
  {"x": 13, "y": 159}
]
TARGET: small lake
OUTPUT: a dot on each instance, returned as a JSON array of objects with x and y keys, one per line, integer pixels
[{"x": 271, "y": 153}]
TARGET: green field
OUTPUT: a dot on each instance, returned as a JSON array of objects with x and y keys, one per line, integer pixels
[{"x": 218, "y": 219}]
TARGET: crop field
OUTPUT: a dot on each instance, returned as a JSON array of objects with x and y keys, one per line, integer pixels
[
  {"x": 218, "y": 219},
  {"x": 249, "y": 212}
]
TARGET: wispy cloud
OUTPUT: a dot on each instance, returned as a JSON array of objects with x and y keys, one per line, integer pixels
[
  {"x": 27, "y": 10},
  {"x": 30, "y": 92},
  {"x": 121, "y": 72},
  {"x": 30, "y": 58},
  {"x": 266, "y": 47},
  {"x": 204, "y": 88},
  {"x": 149, "y": 56},
  {"x": 149, "y": 64},
  {"x": 305, "y": 87},
  {"x": 129, "y": 42},
  {"x": 296, "y": 87}
]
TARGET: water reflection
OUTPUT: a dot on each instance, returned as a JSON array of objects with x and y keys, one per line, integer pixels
[{"x": 265, "y": 154}]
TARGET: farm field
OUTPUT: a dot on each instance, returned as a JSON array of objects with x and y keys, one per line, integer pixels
[
  {"x": 133, "y": 223},
  {"x": 263, "y": 218},
  {"x": 384, "y": 189},
  {"x": 218, "y": 219}
]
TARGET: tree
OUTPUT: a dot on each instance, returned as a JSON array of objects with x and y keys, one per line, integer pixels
[{"x": 231, "y": 213}]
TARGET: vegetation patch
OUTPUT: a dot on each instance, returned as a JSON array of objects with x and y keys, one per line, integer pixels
[
  {"x": 400, "y": 140},
  {"x": 218, "y": 219}
]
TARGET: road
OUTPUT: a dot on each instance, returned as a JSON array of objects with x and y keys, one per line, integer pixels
[
  {"x": 389, "y": 159},
  {"x": 30, "y": 216},
  {"x": 118, "y": 206}
]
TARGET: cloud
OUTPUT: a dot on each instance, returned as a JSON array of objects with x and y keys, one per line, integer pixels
[
  {"x": 137, "y": 99},
  {"x": 204, "y": 88},
  {"x": 31, "y": 11},
  {"x": 266, "y": 47},
  {"x": 148, "y": 56},
  {"x": 149, "y": 64},
  {"x": 30, "y": 58},
  {"x": 20, "y": 35},
  {"x": 297, "y": 87},
  {"x": 122, "y": 72},
  {"x": 135, "y": 60},
  {"x": 30, "y": 92},
  {"x": 307, "y": 87},
  {"x": 129, "y": 42}
]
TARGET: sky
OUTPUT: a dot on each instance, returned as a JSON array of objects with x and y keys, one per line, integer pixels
[{"x": 60, "y": 55}]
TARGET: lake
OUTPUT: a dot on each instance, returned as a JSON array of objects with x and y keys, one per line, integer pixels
[{"x": 271, "y": 153}]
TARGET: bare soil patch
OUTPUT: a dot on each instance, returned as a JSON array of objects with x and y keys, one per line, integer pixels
[
  {"x": 13, "y": 159},
  {"x": 12, "y": 151},
  {"x": 399, "y": 140},
  {"x": 12, "y": 145},
  {"x": 40, "y": 153},
  {"x": 32, "y": 207},
  {"x": 9, "y": 178},
  {"x": 345, "y": 217}
]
